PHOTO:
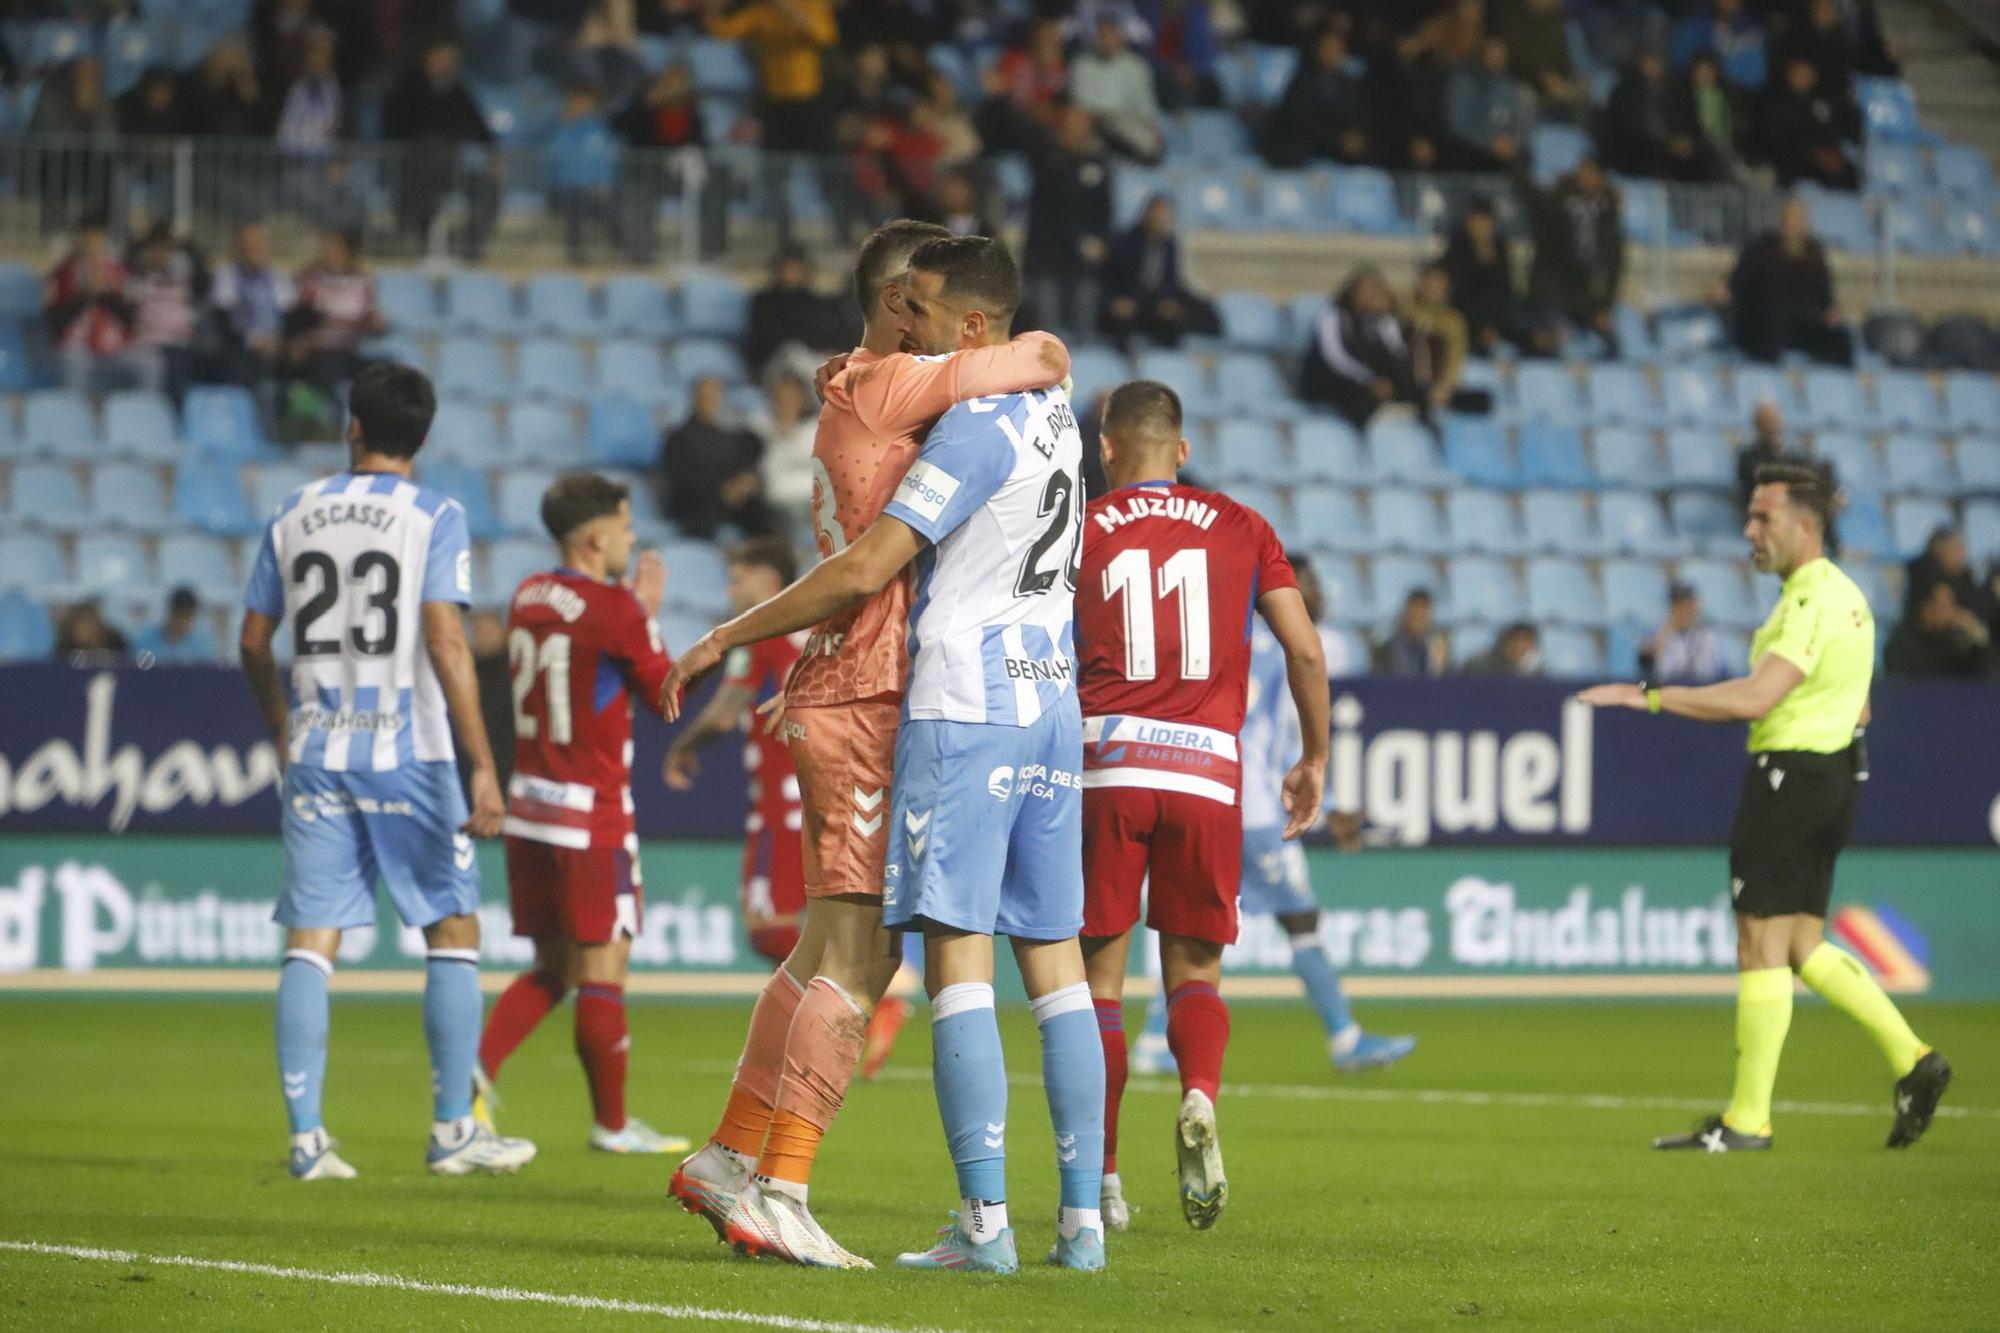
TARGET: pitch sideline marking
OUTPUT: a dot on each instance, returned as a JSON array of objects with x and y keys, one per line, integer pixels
[{"x": 393, "y": 1282}]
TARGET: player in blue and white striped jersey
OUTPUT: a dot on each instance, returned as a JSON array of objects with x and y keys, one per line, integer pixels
[{"x": 374, "y": 572}]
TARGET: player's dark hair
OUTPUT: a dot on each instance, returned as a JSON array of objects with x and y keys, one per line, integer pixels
[
  {"x": 886, "y": 254},
  {"x": 577, "y": 499},
  {"x": 1142, "y": 410},
  {"x": 1805, "y": 486},
  {"x": 772, "y": 553},
  {"x": 393, "y": 404},
  {"x": 978, "y": 273}
]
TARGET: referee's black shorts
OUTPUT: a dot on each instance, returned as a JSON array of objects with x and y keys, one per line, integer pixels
[{"x": 1792, "y": 820}]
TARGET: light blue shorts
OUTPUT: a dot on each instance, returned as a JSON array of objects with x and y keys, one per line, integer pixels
[
  {"x": 1275, "y": 882},
  {"x": 343, "y": 831},
  {"x": 986, "y": 827}
]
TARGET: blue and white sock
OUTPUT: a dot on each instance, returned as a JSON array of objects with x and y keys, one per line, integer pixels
[
  {"x": 1073, "y": 1075},
  {"x": 451, "y": 1030},
  {"x": 1315, "y": 968},
  {"x": 302, "y": 1024},
  {"x": 970, "y": 1073}
]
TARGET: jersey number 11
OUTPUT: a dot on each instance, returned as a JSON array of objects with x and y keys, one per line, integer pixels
[{"x": 1186, "y": 573}]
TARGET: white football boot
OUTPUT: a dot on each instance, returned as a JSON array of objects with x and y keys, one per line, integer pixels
[
  {"x": 1204, "y": 1189},
  {"x": 483, "y": 1150},
  {"x": 777, "y": 1224},
  {"x": 313, "y": 1158},
  {"x": 636, "y": 1137},
  {"x": 1117, "y": 1213}
]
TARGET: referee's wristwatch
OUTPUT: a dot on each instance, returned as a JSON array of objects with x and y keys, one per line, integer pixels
[{"x": 1652, "y": 693}]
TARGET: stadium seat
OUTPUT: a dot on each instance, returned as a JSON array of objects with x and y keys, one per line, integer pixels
[
  {"x": 1483, "y": 520},
  {"x": 20, "y": 291},
  {"x": 1391, "y": 578},
  {"x": 473, "y": 369},
  {"x": 1552, "y": 455},
  {"x": 1330, "y": 519},
  {"x": 1894, "y": 168},
  {"x": 698, "y": 576},
  {"x": 1972, "y": 401},
  {"x": 623, "y": 433},
  {"x": 408, "y": 301},
  {"x": 1570, "y": 653},
  {"x": 1857, "y": 464},
  {"x": 1982, "y": 530},
  {"x": 1626, "y": 456},
  {"x": 1297, "y": 200},
  {"x": 112, "y": 562},
  {"x": 1270, "y": 501},
  {"x": 1864, "y": 528},
  {"x": 1558, "y": 521},
  {"x": 1970, "y": 227},
  {"x": 1183, "y": 372},
  {"x": 1755, "y": 384},
  {"x": 544, "y": 435},
  {"x": 1634, "y": 523},
  {"x": 208, "y": 495},
  {"x": 1889, "y": 108},
  {"x": 1476, "y": 450},
  {"x": 1700, "y": 516},
  {"x": 510, "y": 561},
  {"x": 1327, "y": 448},
  {"x": 470, "y": 487},
  {"x": 1867, "y": 576},
  {"x": 1364, "y": 200},
  {"x": 518, "y": 504},
  {"x": 1479, "y": 586},
  {"x": 1344, "y": 590},
  {"x": 558, "y": 304},
  {"x": 463, "y": 433},
  {"x": 1217, "y": 199},
  {"x": 129, "y": 496},
  {"x": 552, "y": 368},
  {"x": 1251, "y": 320},
  {"x": 697, "y": 358},
  {"x": 1833, "y": 397},
  {"x": 1095, "y": 370},
  {"x": 1303, "y": 314},
  {"x": 25, "y": 631},
  {"x": 1564, "y": 591},
  {"x": 59, "y": 421},
  {"x": 1546, "y": 391},
  {"x": 1689, "y": 331},
  {"x": 1214, "y": 136},
  {"x": 479, "y": 303},
  {"x": 1694, "y": 396},
  {"x": 397, "y": 347},
  {"x": 1918, "y": 464},
  {"x": 1979, "y": 466},
  {"x": 1700, "y": 458},
  {"x": 637, "y": 306},
  {"x": 1840, "y": 220},
  {"x": 1912, "y": 521},
  {"x": 1634, "y": 334},
  {"x": 1962, "y": 170},
  {"x": 1249, "y": 382},
  {"x": 1407, "y": 520},
  {"x": 1245, "y": 451},
  {"x": 1916, "y": 227},
  {"x": 720, "y": 67},
  {"x": 17, "y": 370},
  {"x": 1905, "y": 398},
  {"x": 138, "y": 424},
  {"x": 46, "y": 495},
  {"x": 1635, "y": 593},
  {"x": 1724, "y": 591},
  {"x": 1620, "y": 393},
  {"x": 221, "y": 421},
  {"x": 200, "y": 562},
  {"x": 713, "y": 305},
  {"x": 633, "y": 370},
  {"x": 33, "y": 562},
  {"x": 1404, "y": 450},
  {"x": 1556, "y": 149},
  {"x": 271, "y": 484}
]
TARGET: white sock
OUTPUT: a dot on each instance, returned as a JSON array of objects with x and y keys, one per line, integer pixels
[
  {"x": 728, "y": 1157},
  {"x": 1073, "y": 1220},
  {"x": 1346, "y": 1039},
  {"x": 452, "y": 1133},
  {"x": 982, "y": 1219},
  {"x": 790, "y": 1189},
  {"x": 1113, "y": 1185},
  {"x": 313, "y": 1142}
]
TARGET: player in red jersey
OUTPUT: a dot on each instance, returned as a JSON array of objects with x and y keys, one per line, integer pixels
[
  {"x": 774, "y": 882},
  {"x": 581, "y": 645},
  {"x": 1170, "y": 576}
]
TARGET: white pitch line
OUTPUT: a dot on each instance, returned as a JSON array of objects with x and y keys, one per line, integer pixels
[{"x": 393, "y": 1282}]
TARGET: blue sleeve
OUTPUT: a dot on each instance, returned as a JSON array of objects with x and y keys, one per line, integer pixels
[
  {"x": 448, "y": 567},
  {"x": 964, "y": 461},
  {"x": 266, "y": 593}
]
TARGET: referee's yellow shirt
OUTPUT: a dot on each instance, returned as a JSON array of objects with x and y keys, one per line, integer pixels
[{"x": 1822, "y": 626}]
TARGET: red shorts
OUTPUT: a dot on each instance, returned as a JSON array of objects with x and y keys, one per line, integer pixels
[
  {"x": 774, "y": 872},
  {"x": 1191, "y": 848},
  {"x": 589, "y": 895}
]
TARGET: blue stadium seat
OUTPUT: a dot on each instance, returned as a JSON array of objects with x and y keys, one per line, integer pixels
[
  {"x": 479, "y": 302},
  {"x": 1552, "y": 455},
  {"x": 1840, "y": 220},
  {"x": 129, "y": 496},
  {"x": 1634, "y": 522},
  {"x": 1755, "y": 384},
  {"x": 221, "y": 421},
  {"x": 208, "y": 495},
  {"x": 1251, "y": 319},
  {"x": 637, "y": 306},
  {"x": 510, "y": 561},
  {"x": 1833, "y": 397},
  {"x": 138, "y": 424},
  {"x": 1245, "y": 451},
  {"x": 551, "y": 368},
  {"x": 1404, "y": 450},
  {"x": 56, "y": 42},
  {"x": 633, "y": 370},
  {"x": 1619, "y": 392},
  {"x": 406, "y": 350},
  {"x": 1477, "y": 450},
  {"x": 1344, "y": 590},
  {"x": 1961, "y": 169},
  {"x": 1558, "y": 521},
  {"x": 1569, "y": 653},
  {"x": 544, "y": 435},
  {"x": 1133, "y": 187},
  {"x": 1481, "y": 586},
  {"x": 271, "y": 484},
  {"x": 1270, "y": 501},
  {"x": 1095, "y": 370},
  {"x": 1303, "y": 313},
  {"x": 1970, "y": 227},
  {"x": 32, "y": 562},
  {"x": 111, "y": 562},
  {"x": 1364, "y": 200},
  {"x": 1694, "y": 396},
  {"x": 1328, "y": 518},
  {"x": 1391, "y": 578},
  {"x": 1626, "y": 456},
  {"x": 1215, "y": 136},
  {"x": 17, "y": 371},
  {"x": 1327, "y": 448},
  {"x": 1916, "y": 226},
  {"x": 1700, "y": 458},
  {"x": 1701, "y": 516},
  {"x": 408, "y": 301},
  {"x": 518, "y": 505},
  {"x": 46, "y": 495},
  {"x": 721, "y": 67},
  {"x": 58, "y": 420},
  {"x": 1918, "y": 463},
  {"x": 1972, "y": 401},
  {"x": 1249, "y": 382},
  {"x": 1856, "y": 461},
  {"x": 1723, "y": 589},
  {"x": 1982, "y": 530},
  {"x": 202, "y": 563},
  {"x": 1184, "y": 374},
  {"x": 474, "y": 369},
  {"x": 1635, "y": 593},
  {"x": 1912, "y": 521},
  {"x": 470, "y": 487},
  {"x": 698, "y": 358},
  {"x": 698, "y": 576},
  {"x": 713, "y": 304},
  {"x": 463, "y": 433},
  {"x": 20, "y": 291},
  {"x": 1889, "y": 108},
  {"x": 1407, "y": 520},
  {"x": 1555, "y": 149},
  {"x": 1564, "y": 591},
  {"x": 1905, "y": 398},
  {"x": 1483, "y": 520},
  {"x": 1634, "y": 333},
  {"x": 1689, "y": 331},
  {"x": 1894, "y": 168},
  {"x": 1979, "y": 466},
  {"x": 1297, "y": 200},
  {"x": 559, "y": 304},
  {"x": 1546, "y": 391},
  {"x": 1864, "y": 528},
  {"x": 1867, "y": 576},
  {"x": 1215, "y": 200}
]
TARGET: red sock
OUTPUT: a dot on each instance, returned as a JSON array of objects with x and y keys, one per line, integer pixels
[
  {"x": 1197, "y": 1033},
  {"x": 602, "y": 1044},
  {"x": 520, "y": 1008},
  {"x": 1111, "y": 1030}
]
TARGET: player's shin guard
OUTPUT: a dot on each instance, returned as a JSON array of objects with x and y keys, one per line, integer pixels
[
  {"x": 820, "y": 1055},
  {"x": 302, "y": 1024},
  {"x": 1322, "y": 983},
  {"x": 1763, "y": 1016},
  {"x": 1117, "y": 1062},
  {"x": 970, "y": 1074},
  {"x": 518, "y": 1012},
  {"x": 1074, "y": 1076},
  {"x": 451, "y": 1029},
  {"x": 1198, "y": 1033},
  {"x": 603, "y": 1044},
  {"x": 747, "y": 1116},
  {"x": 1845, "y": 984}
]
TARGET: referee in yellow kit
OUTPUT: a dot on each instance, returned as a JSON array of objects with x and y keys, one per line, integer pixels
[{"x": 1806, "y": 698}]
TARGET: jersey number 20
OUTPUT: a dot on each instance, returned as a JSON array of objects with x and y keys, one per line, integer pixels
[
  {"x": 551, "y": 658},
  {"x": 1130, "y": 573}
]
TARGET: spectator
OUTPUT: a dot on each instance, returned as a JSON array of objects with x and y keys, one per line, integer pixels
[
  {"x": 939, "y": 113},
  {"x": 314, "y": 116},
  {"x": 708, "y": 472},
  {"x": 1413, "y": 647},
  {"x": 1488, "y": 113},
  {"x": 335, "y": 312},
  {"x": 1650, "y": 127},
  {"x": 1801, "y": 134},
  {"x": 1358, "y": 359},
  {"x": 667, "y": 114},
  {"x": 153, "y": 105},
  {"x": 1733, "y": 36},
  {"x": 1144, "y": 293},
  {"x": 1536, "y": 33},
  {"x": 1115, "y": 84},
  {"x": 1938, "y": 637},
  {"x": 788, "y": 40},
  {"x": 1944, "y": 560},
  {"x": 84, "y": 635},
  {"x": 169, "y": 283},
  {"x": 670, "y": 18},
  {"x": 582, "y": 162},
  {"x": 74, "y": 103},
  {"x": 1481, "y": 272},
  {"x": 1185, "y": 50},
  {"x": 1683, "y": 650},
  {"x": 1325, "y": 114},
  {"x": 225, "y": 101},
  {"x": 1579, "y": 248},
  {"x": 280, "y": 32},
  {"x": 1406, "y": 79},
  {"x": 1767, "y": 444},
  {"x": 1438, "y": 343},
  {"x": 788, "y": 427},
  {"x": 1336, "y": 647},
  {"x": 788, "y": 312},
  {"x": 89, "y": 318},
  {"x": 1069, "y": 216},
  {"x": 1781, "y": 295},
  {"x": 958, "y": 208},
  {"x": 1814, "y": 33},
  {"x": 432, "y": 114},
  {"x": 1516, "y": 651},
  {"x": 251, "y": 300},
  {"x": 1030, "y": 80},
  {"x": 183, "y": 636},
  {"x": 605, "y": 50},
  {"x": 74, "y": 178},
  {"x": 1718, "y": 119}
]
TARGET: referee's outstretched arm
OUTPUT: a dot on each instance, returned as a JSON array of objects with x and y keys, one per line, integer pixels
[{"x": 1744, "y": 699}]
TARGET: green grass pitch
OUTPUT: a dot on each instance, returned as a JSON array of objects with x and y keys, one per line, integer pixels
[{"x": 1520, "y": 1191}]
